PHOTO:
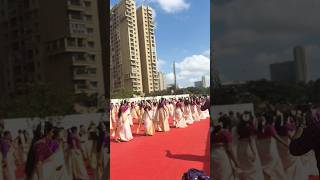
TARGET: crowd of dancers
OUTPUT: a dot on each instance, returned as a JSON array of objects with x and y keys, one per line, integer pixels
[
  {"x": 55, "y": 153},
  {"x": 251, "y": 146},
  {"x": 154, "y": 115}
]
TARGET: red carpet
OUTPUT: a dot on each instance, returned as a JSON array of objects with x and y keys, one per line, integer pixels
[
  {"x": 166, "y": 155},
  {"x": 314, "y": 178}
]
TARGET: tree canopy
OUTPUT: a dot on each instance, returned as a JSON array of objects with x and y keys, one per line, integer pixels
[{"x": 268, "y": 91}]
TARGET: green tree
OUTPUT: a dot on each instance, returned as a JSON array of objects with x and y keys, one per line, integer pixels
[
  {"x": 122, "y": 94},
  {"x": 39, "y": 100}
]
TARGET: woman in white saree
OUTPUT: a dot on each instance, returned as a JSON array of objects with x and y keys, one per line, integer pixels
[
  {"x": 194, "y": 110},
  {"x": 267, "y": 147},
  {"x": 292, "y": 165},
  {"x": 45, "y": 159},
  {"x": 247, "y": 154},
  {"x": 75, "y": 159},
  {"x": 225, "y": 164},
  {"x": 147, "y": 119},
  {"x": 178, "y": 116},
  {"x": 187, "y": 112},
  {"x": 162, "y": 116},
  {"x": 8, "y": 156},
  {"x": 125, "y": 133}
]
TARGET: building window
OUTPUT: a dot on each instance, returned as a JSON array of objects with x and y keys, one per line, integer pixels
[
  {"x": 75, "y": 2},
  {"x": 88, "y": 17},
  {"x": 87, "y": 4},
  {"x": 75, "y": 15},
  {"x": 92, "y": 57},
  {"x": 55, "y": 47},
  {"x": 92, "y": 71},
  {"x": 80, "y": 43},
  {"x": 94, "y": 84},
  {"x": 91, "y": 44},
  {"x": 90, "y": 30},
  {"x": 71, "y": 42},
  {"x": 61, "y": 43}
]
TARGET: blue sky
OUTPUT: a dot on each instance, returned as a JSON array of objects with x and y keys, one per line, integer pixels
[{"x": 182, "y": 35}]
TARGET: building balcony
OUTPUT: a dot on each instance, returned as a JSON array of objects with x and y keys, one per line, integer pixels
[
  {"x": 81, "y": 86},
  {"x": 81, "y": 61},
  {"x": 83, "y": 75},
  {"x": 75, "y": 5},
  {"x": 76, "y": 49},
  {"x": 67, "y": 48},
  {"x": 76, "y": 18}
]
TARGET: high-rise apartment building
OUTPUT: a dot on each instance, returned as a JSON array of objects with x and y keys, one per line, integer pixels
[
  {"x": 124, "y": 44},
  {"x": 291, "y": 71},
  {"x": 300, "y": 64},
  {"x": 202, "y": 83},
  {"x": 133, "y": 48},
  {"x": 283, "y": 72},
  {"x": 147, "y": 46},
  {"x": 52, "y": 41},
  {"x": 162, "y": 85}
]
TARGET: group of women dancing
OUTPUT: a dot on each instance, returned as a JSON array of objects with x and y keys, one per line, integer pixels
[
  {"x": 154, "y": 116},
  {"x": 55, "y": 153},
  {"x": 251, "y": 146}
]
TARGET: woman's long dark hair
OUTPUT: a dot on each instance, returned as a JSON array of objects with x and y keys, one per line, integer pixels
[
  {"x": 243, "y": 127},
  {"x": 269, "y": 120},
  {"x": 216, "y": 129},
  {"x": 120, "y": 110},
  {"x": 38, "y": 133},
  {"x": 101, "y": 134}
]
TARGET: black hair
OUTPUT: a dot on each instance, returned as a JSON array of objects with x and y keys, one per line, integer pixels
[
  {"x": 243, "y": 128},
  {"x": 74, "y": 129},
  {"x": 100, "y": 138},
  {"x": 48, "y": 127},
  {"x": 37, "y": 135},
  {"x": 216, "y": 129},
  {"x": 6, "y": 133}
]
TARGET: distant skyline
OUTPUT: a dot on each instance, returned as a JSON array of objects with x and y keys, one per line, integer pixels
[
  {"x": 182, "y": 35},
  {"x": 251, "y": 35}
]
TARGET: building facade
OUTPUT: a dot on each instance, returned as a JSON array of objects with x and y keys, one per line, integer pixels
[
  {"x": 283, "y": 72},
  {"x": 162, "y": 79},
  {"x": 124, "y": 44},
  {"x": 148, "y": 57},
  {"x": 202, "y": 83},
  {"x": 291, "y": 71},
  {"x": 300, "y": 64},
  {"x": 133, "y": 48},
  {"x": 57, "y": 42}
]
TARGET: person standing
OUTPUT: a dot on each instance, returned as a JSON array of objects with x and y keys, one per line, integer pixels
[
  {"x": 163, "y": 115},
  {"x": 1, "y": 166},
  {"x": 292, "y": 165},
  {"x": 187, "y": 112},
  {"x": 41, "y": 164},
  {"x": 194, "y": 111},
  {"x": 225, "y": 163},
  {"x": 75, "y": 158},
  {"x": 7, "y": 150},
  {"x": 306, "y": 137},
  {"x": 267, "y": 148},
  {"x": 248, "y": 157},
  {"x": 147, "y": 119},
  {"x": 124, "y": 133},
  {"x": 179, "y": 119},
  {"x": 140, "y": 121}
]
